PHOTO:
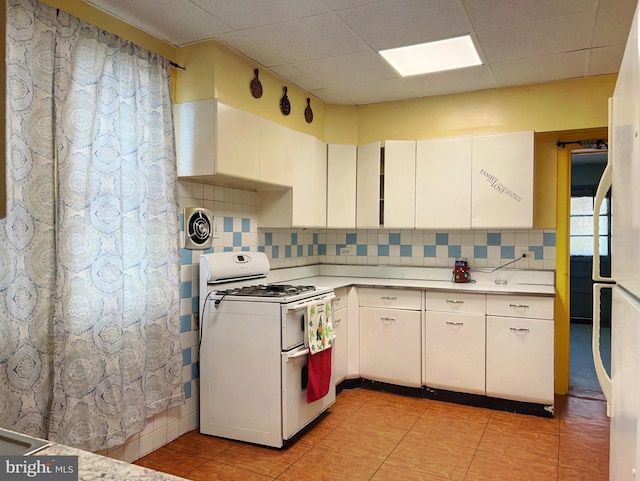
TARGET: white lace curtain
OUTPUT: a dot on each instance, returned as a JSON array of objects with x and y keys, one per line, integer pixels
[{"x": 90, "y": 299}]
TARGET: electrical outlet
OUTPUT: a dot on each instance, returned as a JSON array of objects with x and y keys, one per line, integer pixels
[
  {"x": 345, "y": 251},
  {"x": 528, "y": 255},
  {"x": 195, "y": 324}
]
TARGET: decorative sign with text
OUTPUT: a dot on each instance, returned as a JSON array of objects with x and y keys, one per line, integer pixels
[
  {"x": 498, "y": 186},
  {"x": 50, "y": 468}
]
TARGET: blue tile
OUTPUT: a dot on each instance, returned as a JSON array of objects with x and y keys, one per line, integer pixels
[
  {"x": 245, "y": 248},
  {"x": 261, "y": 249},
  {"x": 442, "y": 238},
  {"x": 186, "y": 356},
  {"x": 299, "y": 250},
  {"x": 185, "y": 323},
  {"x": 228, "y": 224},
  {"x": 383, "y": 250},
  {"x": 361, "y": 249},
  {"x": 208, "y": 250},
  {"x": 287, "y": 251},
  {"x": 186, "y": 256},
  {"x": 351, "y": 238},
  {"x": 508, "y": 252},
  {"x": 494, "y": 238},
  {"x": 195, "y": 367},
  {"x": 185, "y": 289},
  {"x": 454, "y": 251},
  {"x": 322, "y": 249},
  {"x": 187, "y": 390},
  {"x": 268, "y": 238},
  {"x": 275, "y": 252},
  {"x": 406, "y": 251},
  {"x": 195, "y": 304},
  {"x": 549, "y": 238},
  {"x": 310, "y": 250},
  {"x": 538, "y": 252},
  {"x": 227, "y": 249},
  {"x": 315, "y": 239},
  {"x": 429, "y": 251},
  {"x": 237, "y": 239},
  {"x": 480, "y": 252},
  {"x": 294, "y": 238},
  {"x": 394, "y": 238},
  {"x": 246, "y": 225}
]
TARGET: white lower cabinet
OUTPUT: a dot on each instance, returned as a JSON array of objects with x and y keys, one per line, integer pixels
[
  {"x": 455, "y": 352},
  {"x": 520, "y": 348},
  {"x": 341, "y": 342},
  {"x": 390, "y": 335}
]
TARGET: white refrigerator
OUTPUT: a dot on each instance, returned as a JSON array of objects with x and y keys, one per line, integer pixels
[{"x": 622, "y": 175}]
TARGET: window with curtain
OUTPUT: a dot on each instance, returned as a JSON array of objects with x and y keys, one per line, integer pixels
[{"x": 581, "y": 226}]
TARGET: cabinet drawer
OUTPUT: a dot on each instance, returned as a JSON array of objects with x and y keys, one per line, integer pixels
[
  {"x": 520, "y": 306},
  {"x": 340, "y": 301},
  {"x": 456, "y": 302},
  {"x": 391, "y": 298}
]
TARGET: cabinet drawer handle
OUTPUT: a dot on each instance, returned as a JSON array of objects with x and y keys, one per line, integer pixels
[
  {"x": 337, "y": 321},
  {"x": 390, "y": 319},
  {"x": 519, "y": 306},
  {"x": 388, "y": 298},
  {"x": 519, "y": 329},
  {"x": 452, "y": 301},
  {"x": 450, "y": 323},
  {"x": 337, "y": 299}
]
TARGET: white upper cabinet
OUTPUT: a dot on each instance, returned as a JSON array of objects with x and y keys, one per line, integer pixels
[
  {"x": 341, "y": 186},
  {"x": 443, "y": 183},
  {"x": 309, "y": 182},
  {"x": 502, "y": 181},
  {"x": 368, "y": 186},
  {"x": 216, "y": 139},
  {"x": 399, "y": 183},
  {"x": 276, "y": 153}
]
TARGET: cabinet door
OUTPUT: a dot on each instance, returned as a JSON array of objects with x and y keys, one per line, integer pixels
[
  {"x": 502, "y": 181},
  {"x": 520, "y": 359},
  {"x": 276, "y": 163},
  {"x": 368, "y": 186},
  {"x": 340, "y": 344},
  {"x": 443, "y": 183},
  {"x": 399, "y": 183},
  {"x": 195, "y": 126},
  {"x": 455, "y": 352},
  {"x": 309, "y": 194},
  {"x": 237, "y": 143},
  {"x": 341, "y": 186},
  {"x": 390, "y": 346}
]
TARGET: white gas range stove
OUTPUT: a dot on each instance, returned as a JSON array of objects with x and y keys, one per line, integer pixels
[{"x": 253, "y": 351}]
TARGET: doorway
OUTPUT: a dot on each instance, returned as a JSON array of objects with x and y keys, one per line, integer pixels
[{"x": 587, "y": 167}]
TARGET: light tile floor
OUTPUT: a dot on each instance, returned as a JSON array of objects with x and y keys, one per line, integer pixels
[{"x": 371, "y": 435}]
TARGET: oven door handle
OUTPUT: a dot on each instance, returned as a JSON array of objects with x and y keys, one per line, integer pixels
[
  {"x": 297, "y": 354},
  {"x": 304, "y": 305}
]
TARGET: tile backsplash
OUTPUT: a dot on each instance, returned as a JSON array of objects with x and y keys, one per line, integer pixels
[{"x": 236, "y": 224}]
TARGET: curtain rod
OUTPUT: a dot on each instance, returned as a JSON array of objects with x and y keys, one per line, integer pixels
[
  {"x": 173, "y": 64},
  {"x": 598, "y": 144}
]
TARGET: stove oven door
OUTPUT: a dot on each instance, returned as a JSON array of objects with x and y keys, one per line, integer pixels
[{"x": 296, "y": 412}]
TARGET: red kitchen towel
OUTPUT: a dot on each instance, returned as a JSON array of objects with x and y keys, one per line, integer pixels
[{"x": 319, "y": 366}]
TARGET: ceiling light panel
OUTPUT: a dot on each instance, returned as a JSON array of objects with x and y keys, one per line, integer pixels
[{"x": 449, "y": 54}]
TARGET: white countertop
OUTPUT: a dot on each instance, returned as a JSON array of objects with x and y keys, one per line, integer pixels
[{"x": 538, "y": 283}]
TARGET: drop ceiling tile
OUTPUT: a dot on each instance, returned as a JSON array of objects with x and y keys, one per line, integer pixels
[
  {"x": 242, "y": 44},
  {"x": 397, "y": 23},
  {"x": 295, "y": 76},
  {"x": 546, "y": 37},
  {"x": 374, "y": 92},
  {"x": 331, "y": 72},
  {"x": 163, "y": 21},
  {"x": 612, "y": 26},
  {"x": 605, "y": 60},
  {"x": 307, "y": 39},
  {"x": 336, "y": 5},
  {"x": 330, "y": 97},
  {"x": 540, "y": 69},
  {"x": 617, "y": 3},
  {"x": 241, "y": 14},
  {"x": 453, "y": 81},
  {"x": 492, "y": 14}
]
